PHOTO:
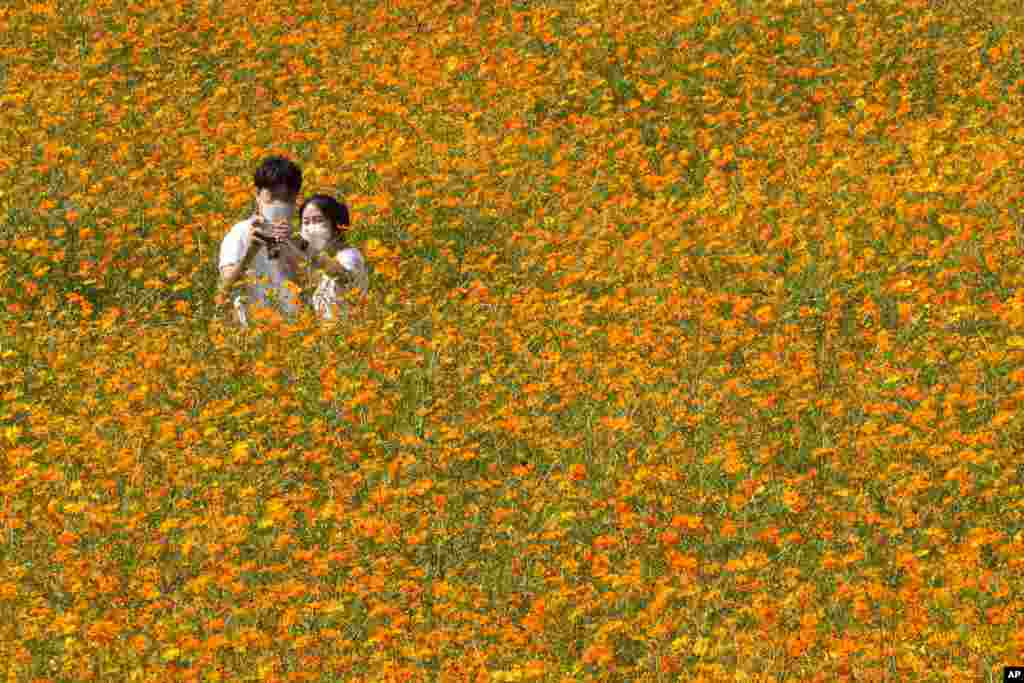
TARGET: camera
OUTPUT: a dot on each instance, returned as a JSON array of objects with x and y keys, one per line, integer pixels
[{"x": 270, "y": 242}]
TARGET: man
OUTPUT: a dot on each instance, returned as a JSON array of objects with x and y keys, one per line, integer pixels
[{"x": 259, "y": 258}]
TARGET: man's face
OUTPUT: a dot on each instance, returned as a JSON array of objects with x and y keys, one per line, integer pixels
[{"x": 278, "y": 194}]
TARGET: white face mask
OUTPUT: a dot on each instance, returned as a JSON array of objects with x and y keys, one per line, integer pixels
[
  {"x": 317, "y": 237},
  {"x": 277, "y": 212},
  {"x": 318, "y": 241},
  {"x": 317, "y": 234}
]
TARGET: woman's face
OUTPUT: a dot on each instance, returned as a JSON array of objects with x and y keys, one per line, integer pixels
[{"x": 316, "y": 227}]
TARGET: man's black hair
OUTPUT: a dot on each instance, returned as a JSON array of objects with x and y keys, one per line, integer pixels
[{"x": 278, "y": 171}]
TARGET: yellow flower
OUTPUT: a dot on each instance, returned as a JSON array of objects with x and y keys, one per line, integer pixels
[
  {"x": 240, "y": 452},
  {"x": 12, "y": 433}
]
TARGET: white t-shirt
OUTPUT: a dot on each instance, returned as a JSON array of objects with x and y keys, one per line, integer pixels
[
  {"x": 328, "y": 300},
  {"x": 266, "y": 277}
]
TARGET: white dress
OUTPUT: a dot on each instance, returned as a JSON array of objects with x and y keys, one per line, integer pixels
[{"x": 329, "y": 298}]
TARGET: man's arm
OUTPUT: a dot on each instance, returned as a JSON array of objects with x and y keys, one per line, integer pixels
[{"x": 231, "y": 273}]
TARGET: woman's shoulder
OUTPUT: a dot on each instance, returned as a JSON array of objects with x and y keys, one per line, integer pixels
[{"x": 350, "y": 257}]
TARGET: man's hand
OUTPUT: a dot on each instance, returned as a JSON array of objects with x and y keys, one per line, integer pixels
[
  {"x": 271, "y": 236},
  {"x": 279, "y": 234},
  {"x": 281, "y": 231},
  {"x": 222, "y": 306},
  {"x": 258, "y": 233}
]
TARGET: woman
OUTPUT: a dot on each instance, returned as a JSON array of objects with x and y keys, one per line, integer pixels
[{"x": 324, "y": 220}]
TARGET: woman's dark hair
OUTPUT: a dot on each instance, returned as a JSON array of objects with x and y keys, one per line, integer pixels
[
  {"x": 336, "y": 212},
  {"x": 278, "y": 171}
]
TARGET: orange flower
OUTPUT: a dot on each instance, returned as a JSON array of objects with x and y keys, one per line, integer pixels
[
  {"x": 598, "y": 654},
  {"x": 669, "y": 537},
  {"x": 764, "y": 314}
]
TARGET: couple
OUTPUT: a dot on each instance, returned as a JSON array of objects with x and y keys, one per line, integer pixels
[{"x": 262, "y": 263}]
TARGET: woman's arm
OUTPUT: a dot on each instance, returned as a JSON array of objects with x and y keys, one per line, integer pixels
[
  {"x": 351, "y": 260},
  {"x": 330, "y": 264}
]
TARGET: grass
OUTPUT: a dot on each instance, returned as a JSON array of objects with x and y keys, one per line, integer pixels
[{"x": 692, "y": 349}]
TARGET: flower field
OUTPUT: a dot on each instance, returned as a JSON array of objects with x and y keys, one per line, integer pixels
[{"x": 694, "y": 346}]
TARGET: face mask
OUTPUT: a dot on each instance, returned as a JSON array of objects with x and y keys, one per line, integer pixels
[
  {"x": 317, "y": 239},
  {"x": 278, "y": 212}
]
